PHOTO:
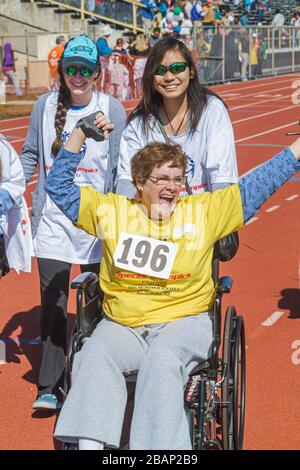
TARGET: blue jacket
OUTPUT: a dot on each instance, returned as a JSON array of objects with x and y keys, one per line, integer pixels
[
  {"x": 195, "y": 16},
  {"x": 103, "y": 47},
  {"x": 148, "y": 13}
]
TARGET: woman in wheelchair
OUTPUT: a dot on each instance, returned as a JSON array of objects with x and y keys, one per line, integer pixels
[{"x": 158, "y": 292}]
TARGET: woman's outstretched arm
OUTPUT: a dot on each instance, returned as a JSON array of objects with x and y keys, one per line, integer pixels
[{"x": 259, "y": 184}]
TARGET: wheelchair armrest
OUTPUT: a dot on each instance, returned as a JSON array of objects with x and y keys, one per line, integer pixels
[
  {"x": 224, "y": 285},
  {"x": 84, "y": 280}
]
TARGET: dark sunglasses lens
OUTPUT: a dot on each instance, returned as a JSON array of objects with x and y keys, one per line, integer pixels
[
  {"x": 178, "y": 67},
  {"x": 85, "y": 72},
  {"x": 161, "y": 70},
  {"x": 71, "y": 71}
]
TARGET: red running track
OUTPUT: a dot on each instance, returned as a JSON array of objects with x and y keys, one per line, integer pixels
[{"x": 266, "y": 288}]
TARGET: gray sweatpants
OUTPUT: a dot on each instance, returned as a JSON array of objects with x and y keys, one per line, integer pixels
[{"x": 163, "y": 357}]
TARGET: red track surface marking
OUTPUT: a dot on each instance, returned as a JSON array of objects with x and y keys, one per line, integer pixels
[{"x": 266, "y": 275}]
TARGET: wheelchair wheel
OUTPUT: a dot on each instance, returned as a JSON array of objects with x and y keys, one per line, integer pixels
[{"x": 233, "y": 387}]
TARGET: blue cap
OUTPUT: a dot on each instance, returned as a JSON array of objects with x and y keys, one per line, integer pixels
[{"x": 80, "y": 50}]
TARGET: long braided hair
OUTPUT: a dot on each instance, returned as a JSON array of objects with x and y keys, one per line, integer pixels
[{"x": 64, "y": 102}]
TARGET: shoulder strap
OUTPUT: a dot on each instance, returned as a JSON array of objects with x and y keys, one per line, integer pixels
[{"x": 166, "y": 137}]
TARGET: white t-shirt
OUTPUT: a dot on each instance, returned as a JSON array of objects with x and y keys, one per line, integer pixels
[
  {"x": 57, "y": 238},
  {"x": 210, "y": 150}
]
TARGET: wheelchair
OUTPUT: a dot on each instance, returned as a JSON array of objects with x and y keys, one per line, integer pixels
[{"x": 215, "y": 393}]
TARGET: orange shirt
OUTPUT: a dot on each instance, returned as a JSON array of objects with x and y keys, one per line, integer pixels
[{"x": 53, "y": 58}]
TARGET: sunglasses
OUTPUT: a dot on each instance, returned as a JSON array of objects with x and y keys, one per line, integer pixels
[
  {"x": 175, "y": 68},
  {"x": 71, "y": 71}
]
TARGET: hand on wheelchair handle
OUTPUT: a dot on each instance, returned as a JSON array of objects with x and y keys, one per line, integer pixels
[{"x": 89, "y": 128}]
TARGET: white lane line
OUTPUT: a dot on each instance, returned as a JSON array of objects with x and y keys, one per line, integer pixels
[
  {"x": 272, "y": 209},
  {"x": 267, "y": 132},
  {"x": 32, "y": 182},
  {"x": 13, "y": 128},
  {"x": 291, "y": 198},
  {"x": 16, "y": 141},
  {"x": 15, "y": 119},
  {"x": 257, "y": 102},
  {"x": 250, "y": 221},
  {"x": 272, "y": 319},
  {"x": 257, "y": 85},
  {"x": 264, "y": 114},
  {"x": 257, "y": 95}
]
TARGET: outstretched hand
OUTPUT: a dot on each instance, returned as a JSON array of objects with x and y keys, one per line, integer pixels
[{"x": 102, "y": 122}]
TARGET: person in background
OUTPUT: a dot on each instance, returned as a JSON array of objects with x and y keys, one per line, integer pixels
[
  {"x": 188, "y": 6},
  {"x": 2, "y": 88},
  {"x": 118, "y": 77},
  {"x": 186, "y": 26},
  {"x": 119, "y": 47},
  {"x": 155, "y": 37},
  {"x": 261, "y": 56},
  {"x": 162, "y": 11},
  {"x": 197, "y": 13},
  {"x": 175, "y": 16},
  {"x": 278, "y": 19},
  {"x": 53, "y": 58},
  {"x": 57, "y": 243},
  {"x": 15, "y": 231},
  {"x": 244, "y": 52},
  {"x": 209, "y": 20},
  {"x": 90, "y": 5},
  {"x": 253, "y": 54},
  {"x": 261, "y": 8},
  {"x": 244, "y": 19},
  {"x": 141, "y": 52},
  {"x": 295, "y": 21},
  {"x": 9, "y": 68},
  {"x": 104, "y": 51},
  {"x": 148, "y": 15},
  {"x": 247, "y": 5}
]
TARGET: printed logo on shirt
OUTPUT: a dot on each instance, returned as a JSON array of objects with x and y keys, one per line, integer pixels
[{"x": 190, "y": 170}]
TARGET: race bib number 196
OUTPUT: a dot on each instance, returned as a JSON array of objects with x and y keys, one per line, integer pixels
[{"x": 145, "y": 255}]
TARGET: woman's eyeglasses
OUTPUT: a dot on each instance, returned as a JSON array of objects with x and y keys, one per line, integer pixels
[
  {"x": 175, "y": 68},
  {"x": 71, "y": 71},
  {"x": 165, "y": 180}
]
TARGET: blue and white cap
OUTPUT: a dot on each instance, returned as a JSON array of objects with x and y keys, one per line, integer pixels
[{"x": 80, "y": 50}]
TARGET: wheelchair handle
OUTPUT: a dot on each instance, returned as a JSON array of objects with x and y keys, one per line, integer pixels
[{"x": 84, "y": 280}]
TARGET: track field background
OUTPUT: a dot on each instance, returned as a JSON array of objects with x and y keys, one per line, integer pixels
[{"x": 266, "y": 287}]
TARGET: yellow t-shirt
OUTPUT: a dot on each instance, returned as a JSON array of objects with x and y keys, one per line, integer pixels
[{"x": 135, "y": 299}]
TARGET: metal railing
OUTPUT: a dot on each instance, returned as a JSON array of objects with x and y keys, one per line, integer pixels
[
  {"x": 235, "y": 53},
  {"x": 79, "y": 6},
  {"x": 224, "y": 54}
]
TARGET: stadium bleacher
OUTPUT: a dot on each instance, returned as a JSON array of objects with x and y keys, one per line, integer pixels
[{"x": 285, "y": 6}]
